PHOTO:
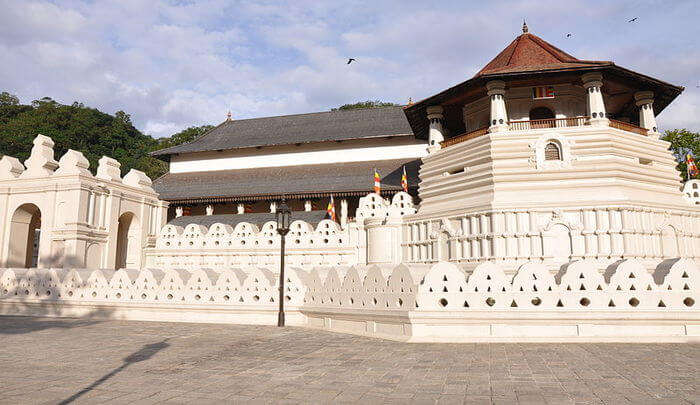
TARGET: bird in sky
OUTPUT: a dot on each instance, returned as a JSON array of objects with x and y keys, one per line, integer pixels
[
  {"x": 633, "y": 20},
  {"x": 350, "y": 60},
  {"x": 568, "y": 35}
]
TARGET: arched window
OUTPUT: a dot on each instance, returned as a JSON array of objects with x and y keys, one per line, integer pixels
[
  {"x": 541, "y": 117},
  {"x": 552, "y": 151}
]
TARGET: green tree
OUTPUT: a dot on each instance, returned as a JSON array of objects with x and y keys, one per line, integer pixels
[
  {"x": 365, "y": 104},
  {"x": 184, "y": 136},
  {"x": 77, "y": 127},
  {"x": 8, "y": 99},
  {"x": 683, "y": 142}
]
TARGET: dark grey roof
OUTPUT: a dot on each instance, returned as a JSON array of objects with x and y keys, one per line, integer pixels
[
  {"x": 305, "y": 181},
  {"x": 312, "y": 217},
  {"x": 299, "y": 128}
]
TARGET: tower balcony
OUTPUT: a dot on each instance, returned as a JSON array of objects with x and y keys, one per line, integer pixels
[{"x": 545, "y": 124}]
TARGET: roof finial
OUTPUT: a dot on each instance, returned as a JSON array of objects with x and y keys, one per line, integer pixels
[
  {"x": 525, "y": 30},
  {"x": 228, "y": 116},
  {"x": 410, "y": 101}
]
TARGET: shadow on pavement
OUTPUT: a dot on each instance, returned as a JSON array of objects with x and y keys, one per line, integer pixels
[
  {"x": 15, "y": 325},
  {"x": 143, "y": 354}
]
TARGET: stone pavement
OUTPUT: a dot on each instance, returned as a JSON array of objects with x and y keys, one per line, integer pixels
[{"x": 83, "y": 361}]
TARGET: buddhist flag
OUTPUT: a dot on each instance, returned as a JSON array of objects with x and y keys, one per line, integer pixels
[
  {"x": 331, "y": 209},
  {"x": 377, "y": 182},
  {"x": 543, "y": 92},
  {"x": 692, "y": 168},
  {"x": 404, "y": 180}
]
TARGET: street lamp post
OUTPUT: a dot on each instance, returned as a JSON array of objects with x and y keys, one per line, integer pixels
[{"x": 284, "y": 215}]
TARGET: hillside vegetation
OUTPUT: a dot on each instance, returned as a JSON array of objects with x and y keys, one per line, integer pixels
[{"x": 85, "y": 129}]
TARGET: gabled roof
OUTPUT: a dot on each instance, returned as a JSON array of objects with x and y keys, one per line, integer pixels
[
  {"x": 529, "y": 52},
  {"x": 302, "y": 181},
  {"x": 341, "y": 125}
]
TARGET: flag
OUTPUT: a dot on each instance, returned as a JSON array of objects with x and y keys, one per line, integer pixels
[
  {"x": 404, "y": 180},
  {"x": 377, "y": 182},
  {"x": 543, "y": 92},
  {"x": 692, "y": 168},
  {"x": 331, "y": 209}
]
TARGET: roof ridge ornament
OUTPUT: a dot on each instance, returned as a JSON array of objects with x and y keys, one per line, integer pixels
[
  {"x": 228, "y": 116},
  {"x": 525, "y": 29}
]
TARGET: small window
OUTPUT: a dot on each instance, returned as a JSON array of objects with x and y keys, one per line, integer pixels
[{"x": 552, "y": 152}]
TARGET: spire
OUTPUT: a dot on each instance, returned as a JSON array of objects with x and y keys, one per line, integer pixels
[
  {"x": 228, "y": 116},
  {"x": 410, "y": 101},
  {"x": 525, "y": 29}
]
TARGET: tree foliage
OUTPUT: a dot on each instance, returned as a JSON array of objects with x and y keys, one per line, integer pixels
[
  {"x": 683, "y": 142},
  {"x": 184, "y": 136},
  {"x": 365, "y": 104},
  {"x": 81, "y": 128}
]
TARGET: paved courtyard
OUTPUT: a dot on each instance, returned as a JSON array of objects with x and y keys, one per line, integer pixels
[{"x": 83, "y": 361}]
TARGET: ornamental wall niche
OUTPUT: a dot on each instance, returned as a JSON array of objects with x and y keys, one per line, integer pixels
[{"x": 56, "y": 213}]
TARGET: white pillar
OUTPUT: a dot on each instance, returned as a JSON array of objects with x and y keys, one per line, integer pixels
[
  {"x": 436, "y": 132},
  {"x": 593, "y": 83},
  {"x": 499, "y": 115},
  {"x": 240, "y": 209},
  {"x": 647, "y": 120},
  {"x": 307, "y": 205},
  {"x": 210, "y": 209},
  {"x": 91, "y": 209},
  {"x": 178, "y": 211},
  {"x": 343, "y": 213}
]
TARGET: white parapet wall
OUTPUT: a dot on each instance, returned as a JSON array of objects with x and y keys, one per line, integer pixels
[
  {"x": 418, "y": 303},
  {"x": 221, "y": 246},
  {"x": 374, "y": 237}
]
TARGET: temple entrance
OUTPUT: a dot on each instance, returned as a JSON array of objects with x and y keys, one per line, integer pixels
[
  {"x": 25, "y": 231},
  {"x": 543, "y": 117},
  {"x": 128, "y": 251}
]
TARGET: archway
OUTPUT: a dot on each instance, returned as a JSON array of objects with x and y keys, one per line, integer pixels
[
  {"x": 128, "y": 249},
  {"x": 25, "y": 231},
  {"x": 538, "y": 114}
]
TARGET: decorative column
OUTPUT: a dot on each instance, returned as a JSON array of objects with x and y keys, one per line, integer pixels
[
  {"x": 436, "y": 134},
  {"x": 499, "y": 115},
  {"x": 593, "y": 83},
  {"x": 343, "y": 212},
  {"x": 91, "y": 209},
  {"x": 647, "y": 120}
]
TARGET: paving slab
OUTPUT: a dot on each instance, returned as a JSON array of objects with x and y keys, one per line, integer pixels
[{"x": 59, "y": 361}]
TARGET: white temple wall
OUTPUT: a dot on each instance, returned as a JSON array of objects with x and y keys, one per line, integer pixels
[
  {"x": 375, "y": 237},
  {"x": 611, "y": 195},
  {"x": 436, "y": 303},
  {"x": 78, "y": 213},
  {"x": 347, "y": 151}
]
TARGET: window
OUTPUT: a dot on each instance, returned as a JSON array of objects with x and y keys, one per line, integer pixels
[{"x": 552, "y": 151}]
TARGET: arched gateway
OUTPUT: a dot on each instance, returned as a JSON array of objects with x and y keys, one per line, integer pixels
[{"x": 25, "y": 228}]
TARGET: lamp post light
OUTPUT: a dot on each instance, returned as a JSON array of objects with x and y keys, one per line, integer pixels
[{"x": 284, "y": 215}]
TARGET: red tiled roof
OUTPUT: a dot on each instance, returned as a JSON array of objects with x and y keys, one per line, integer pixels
[{"x": 528, "y": 53}]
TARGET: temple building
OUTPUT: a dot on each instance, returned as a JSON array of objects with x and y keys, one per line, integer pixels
[
  {"x": 239, "y": 170},
  {"x": 550, "y": 157}
]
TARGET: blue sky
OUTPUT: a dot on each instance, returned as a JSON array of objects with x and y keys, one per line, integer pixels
[{"x": 174, "y": 64}]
